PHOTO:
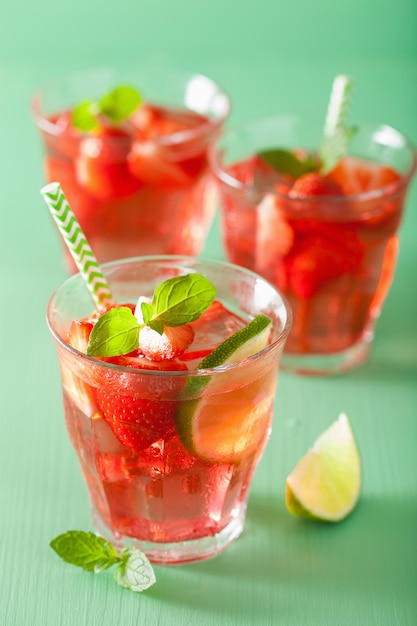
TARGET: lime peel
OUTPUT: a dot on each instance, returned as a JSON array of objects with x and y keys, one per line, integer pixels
[
  {"x": 325, "y": 484},
  {"x": 203, "y": 431}
]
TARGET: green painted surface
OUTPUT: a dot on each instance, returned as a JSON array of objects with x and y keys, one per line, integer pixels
[{"x": 282, "y": 570}]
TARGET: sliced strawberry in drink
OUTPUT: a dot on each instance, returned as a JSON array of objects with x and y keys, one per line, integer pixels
[
  {"x": 147, "y": 162},
  {"x": 314, "y": 184},
  {"x": 101, "y": 165},
  {"x": 79, "y": 335},
  {"x": 81, "y": 393},
  {"x": 322, "y": 253},
  {"x": 355, "y": 175},
  {"x": 274, "y": 235},
  {"x": 170, "y": 345},
  {"x": 136, "y": 421}
]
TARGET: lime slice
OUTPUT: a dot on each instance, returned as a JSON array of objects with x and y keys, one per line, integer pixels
[
  {"x": 220, "y": 426},
  {"x": 325, "y": 484}
]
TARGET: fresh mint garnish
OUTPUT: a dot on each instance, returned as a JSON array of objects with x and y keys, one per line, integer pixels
[
  {"x": 116, "y": 106},
  {"x": 85, "y": 550},
  {"x": 115, "y": 333},
  {"x": 95, "y": 554},
  {"x": 334, "y": 147},
  {"x": 176, "y": 301},
  {"x": 84, "y": 116},
  {"x": 120, "y": 103},
  {"x": 134, "y": 572},
  {"x": 286, "y": 162}
]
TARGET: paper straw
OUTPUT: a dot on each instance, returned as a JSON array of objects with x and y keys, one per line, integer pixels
[
  {"x": 338, "y": 104},
  {"x": 77, "y": 244}
]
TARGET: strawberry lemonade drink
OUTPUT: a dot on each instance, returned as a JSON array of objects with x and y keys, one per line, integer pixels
[
  {"x": 168, "y": 396},
  {"x": 129, "y": 150},
  {"x": 325, "y": 233}
]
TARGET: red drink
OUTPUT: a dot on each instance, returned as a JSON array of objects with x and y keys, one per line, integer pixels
[
  {"x": 141, "y": 185},
  {"x": 328, "y": 242},
  {"x": 175, "y": 480}
]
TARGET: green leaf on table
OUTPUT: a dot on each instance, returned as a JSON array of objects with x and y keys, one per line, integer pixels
[
  {"x": 85, "y": 550},
  {"x": 179, "y": 300},
  {"x": 286, "y": 162},
  {"x": 115, "y": 333},
  {"x": 135, "y": 571},
  {"x": 95, "y": 554}
]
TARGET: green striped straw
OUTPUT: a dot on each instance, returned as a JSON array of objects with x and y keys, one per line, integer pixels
[
  {"x": 77, "y": 244},
  {"x": 339, "y": 103},
  {"x": 336, "y": 133}
]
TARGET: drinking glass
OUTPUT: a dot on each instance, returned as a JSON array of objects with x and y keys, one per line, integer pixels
[
  {"x": 333, "y": 256},
  {"x": 183, "y": 497}
]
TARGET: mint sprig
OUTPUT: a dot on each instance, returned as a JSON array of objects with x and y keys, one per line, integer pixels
[
  {"x": 176, "y": 301},
  {"x": 95, "y": 554},
  {"x": 116, "y": 106},
  {"x": 115, "y": 333},
  {"x": 286, "y": 162}
]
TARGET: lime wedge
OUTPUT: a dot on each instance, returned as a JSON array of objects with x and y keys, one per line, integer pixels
[
  {"x": 222, "y": 426},
  {"x": 325, "y": 484}
]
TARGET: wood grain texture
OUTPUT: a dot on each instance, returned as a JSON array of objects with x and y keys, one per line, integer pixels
[{"x": 282, "y": 571}]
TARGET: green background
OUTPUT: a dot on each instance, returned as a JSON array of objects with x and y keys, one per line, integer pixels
[{"x": 271, "y": 56}]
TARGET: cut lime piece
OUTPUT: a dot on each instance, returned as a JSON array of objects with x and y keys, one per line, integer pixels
[
  {"x": 325, "y": 484},
  {"x": 222, "y": 426}
]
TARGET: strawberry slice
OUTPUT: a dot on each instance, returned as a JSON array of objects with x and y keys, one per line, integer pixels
[
  {"x": 314, "y": 184},
  {"x": 101, "y": 165},
  {"x": 80, "y": 393},
  {"x": 355, "y": 175},
  {"x": 322, "y": 254},
  {"x": 274, "y": 235},
  {"x": 147, "y": 162},
  {"x": 170, "y": 345},
  {"x": 138, "y": 422}
]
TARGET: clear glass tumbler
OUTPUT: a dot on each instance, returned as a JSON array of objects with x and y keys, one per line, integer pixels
[
  {"x": 332, "y": 255},
  {"x": 141, "y": 186},
  {"x": 183, "y": 497}
]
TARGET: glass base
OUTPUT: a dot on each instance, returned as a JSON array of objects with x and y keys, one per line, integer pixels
[
  {"x": 327, "y": 364},
  {"x": 176, "y": 553}
]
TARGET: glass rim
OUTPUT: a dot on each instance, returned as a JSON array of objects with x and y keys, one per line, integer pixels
[
  {"x": 177, "y": 137},
  {"x": 206, "y": 372},
  {"x": 231, "y": 181}
]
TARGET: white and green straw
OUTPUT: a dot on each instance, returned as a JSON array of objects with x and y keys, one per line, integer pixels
[
  {"x": 336, "y": 134},
  {"x": 77, "y": 244},
  {"x": 339, "y": 103}
]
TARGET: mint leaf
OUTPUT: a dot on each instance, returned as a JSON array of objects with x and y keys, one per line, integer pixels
[
  {"x": 116, "y": 332},
  {"x": 120, "y": 103},
  {"x": 135, "y": 571},
  {"x": 85, "y": 550},
  {"x": 334, "y": 147},
  {"x": 84, "y": 116},
  {"x": 117, "y": 106},
  {"x": 181, "y": 300},
  {"x": 286, "y": 162}
]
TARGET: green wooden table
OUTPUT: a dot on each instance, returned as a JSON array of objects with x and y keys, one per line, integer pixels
[{"x": 362, "y": 571}]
